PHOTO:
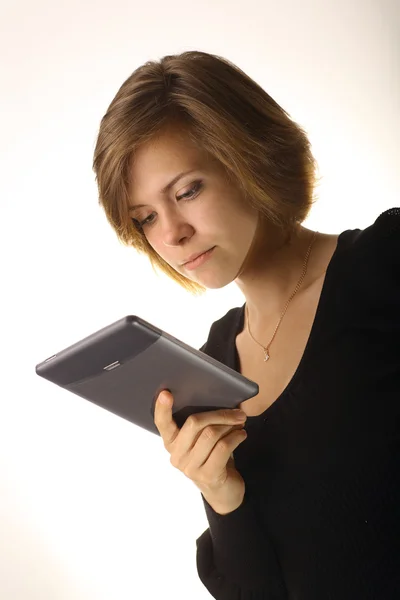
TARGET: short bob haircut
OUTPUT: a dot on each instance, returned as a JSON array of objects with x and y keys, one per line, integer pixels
[{"x": 260, "y": 148}]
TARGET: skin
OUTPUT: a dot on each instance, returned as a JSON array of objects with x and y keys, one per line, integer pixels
[{"x": 256, "y": 255}]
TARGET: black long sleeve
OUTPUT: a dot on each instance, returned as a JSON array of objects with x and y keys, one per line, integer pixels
[
  {"x": 235, "y": 545},
  {"x": 321, "y": 515}
]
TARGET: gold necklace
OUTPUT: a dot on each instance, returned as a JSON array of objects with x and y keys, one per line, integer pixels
[{"x": 305, "y": 264}]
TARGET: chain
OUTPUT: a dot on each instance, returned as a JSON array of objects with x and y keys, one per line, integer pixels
[{"x": 305, "y": 265}]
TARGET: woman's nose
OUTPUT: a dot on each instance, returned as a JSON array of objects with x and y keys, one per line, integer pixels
[{"x": 174, "y": 229}]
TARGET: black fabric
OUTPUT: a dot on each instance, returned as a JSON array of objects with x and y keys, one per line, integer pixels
[{"x": 321, "y": 515}]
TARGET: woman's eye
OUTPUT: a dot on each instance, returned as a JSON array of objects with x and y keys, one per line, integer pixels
[
  {"x": 186, "y": 196},
  {"x": 195, "y": 188}
]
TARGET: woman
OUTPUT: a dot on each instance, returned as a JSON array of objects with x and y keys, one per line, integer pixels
[{"x": 192, "y": 157}]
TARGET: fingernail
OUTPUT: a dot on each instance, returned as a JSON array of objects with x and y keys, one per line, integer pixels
[
  {"x": 239, "y": 414},
  {"x": 164, "y": 398}
]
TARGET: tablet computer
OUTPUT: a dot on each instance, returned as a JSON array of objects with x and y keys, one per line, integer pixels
[{"x": 124, "y": 366}]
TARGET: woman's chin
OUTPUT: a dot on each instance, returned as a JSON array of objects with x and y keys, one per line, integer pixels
[{"x": 213, "y": 280}]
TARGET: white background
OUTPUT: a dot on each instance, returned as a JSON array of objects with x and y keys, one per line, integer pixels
[{"x": 90, "y": 507}]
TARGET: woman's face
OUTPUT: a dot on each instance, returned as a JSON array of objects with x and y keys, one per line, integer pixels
[{"x": 200, "y": 210}]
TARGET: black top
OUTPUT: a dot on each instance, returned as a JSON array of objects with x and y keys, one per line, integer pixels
[{"x": 320, "y": 518}]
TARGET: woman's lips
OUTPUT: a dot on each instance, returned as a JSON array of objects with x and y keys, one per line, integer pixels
[{"x": 200, "y": 260}]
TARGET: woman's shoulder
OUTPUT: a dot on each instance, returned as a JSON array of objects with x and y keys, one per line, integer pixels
[
  {"x": 381, "y": 238},
  {"x": 371, "y": 253},
  {"x": 367, "y": 268}
]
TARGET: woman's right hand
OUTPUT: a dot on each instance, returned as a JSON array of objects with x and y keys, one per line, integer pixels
[{"x": 202, "y": 449}]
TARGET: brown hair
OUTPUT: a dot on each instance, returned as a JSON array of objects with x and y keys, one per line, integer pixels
[{"x": 261, "y": 149}]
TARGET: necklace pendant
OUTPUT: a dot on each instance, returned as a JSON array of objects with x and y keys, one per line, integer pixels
[{"x": 266, "y": 356}]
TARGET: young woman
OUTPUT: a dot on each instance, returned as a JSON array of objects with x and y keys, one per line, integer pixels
[{"x": 194, "y": 158}]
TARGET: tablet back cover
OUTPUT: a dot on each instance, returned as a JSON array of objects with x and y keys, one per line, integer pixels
[{"x": 124, "y": 366}]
